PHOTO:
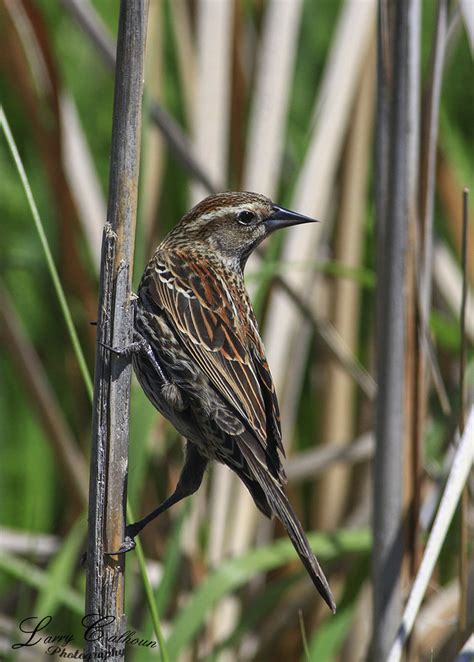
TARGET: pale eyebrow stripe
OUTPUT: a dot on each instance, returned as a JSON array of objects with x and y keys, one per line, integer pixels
[{"x": 224, "y": 211}]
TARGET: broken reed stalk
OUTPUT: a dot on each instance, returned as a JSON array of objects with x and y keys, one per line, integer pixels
[{"x": 105, "y": 574}]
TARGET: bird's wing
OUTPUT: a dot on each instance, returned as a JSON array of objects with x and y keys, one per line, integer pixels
[
  {"x": 269, "y": 396},
  {"x": 206, "y": 321}
]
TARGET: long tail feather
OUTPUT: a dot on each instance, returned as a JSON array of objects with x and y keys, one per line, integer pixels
[{"x": 281, "y": 507}]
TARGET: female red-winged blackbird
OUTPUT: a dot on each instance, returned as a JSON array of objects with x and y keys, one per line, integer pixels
[{"x": 199, "y": 357}]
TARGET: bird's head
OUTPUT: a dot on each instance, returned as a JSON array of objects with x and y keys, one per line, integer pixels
[{"x": 232, "y": 224}]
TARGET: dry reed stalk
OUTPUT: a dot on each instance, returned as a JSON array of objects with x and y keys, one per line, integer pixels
[
  {"x": 211, "y": 102},
  {"x": 36, "y": 546},
  {"x": 271, "y": 98},
  {"x": 185, "y": 51},
  {"x": 412, "y": 450},
  {"x": 418, "y": 390},
  {"x": 311, "y": 463},
  {"x": 82, "y": 177},
  {"x": 242, "y": 53},
  {"x": 428, "y": 157},
  {"x": 338, "y": 423},
  {"x": 270, "y": 103},
  {"x": 220, "y": 510},
  {"x": 154, "y": 157},
  {"x": 413, "y": 412},
  {"x": 464, "y": 619},
  {"x": 284, "y": 326}
]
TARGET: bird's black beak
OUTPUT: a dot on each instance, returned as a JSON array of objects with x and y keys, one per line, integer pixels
[{"x": 282, "y": 218}]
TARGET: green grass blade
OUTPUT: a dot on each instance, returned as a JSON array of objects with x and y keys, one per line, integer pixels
[
  {"x": 149, "y": 596},
  {"x": 171, "y": 564}
]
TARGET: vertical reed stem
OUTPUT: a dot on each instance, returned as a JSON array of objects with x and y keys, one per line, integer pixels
[
  {"x": 392, "y": 193},
  {"x": 109, "y": 459}
]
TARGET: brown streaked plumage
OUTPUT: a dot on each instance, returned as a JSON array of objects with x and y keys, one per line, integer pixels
[{"x": 199, "y": 357}]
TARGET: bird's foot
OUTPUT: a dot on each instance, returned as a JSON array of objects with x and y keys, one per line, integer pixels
[
  {"x": 128, "y": 542},
  {"x": 133, "y": 348}
]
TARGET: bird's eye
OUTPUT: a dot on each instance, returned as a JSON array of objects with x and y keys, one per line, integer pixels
[{"x": 246, "y": 217}]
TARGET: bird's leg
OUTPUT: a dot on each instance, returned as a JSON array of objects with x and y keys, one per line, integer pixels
[{"x": 189, "y": 481}]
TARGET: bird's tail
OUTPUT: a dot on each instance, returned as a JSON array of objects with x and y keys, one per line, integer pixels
[{"x": 281, "y": 507}]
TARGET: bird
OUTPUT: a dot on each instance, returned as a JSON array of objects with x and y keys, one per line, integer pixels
[{"x": 198, "y": 355}]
